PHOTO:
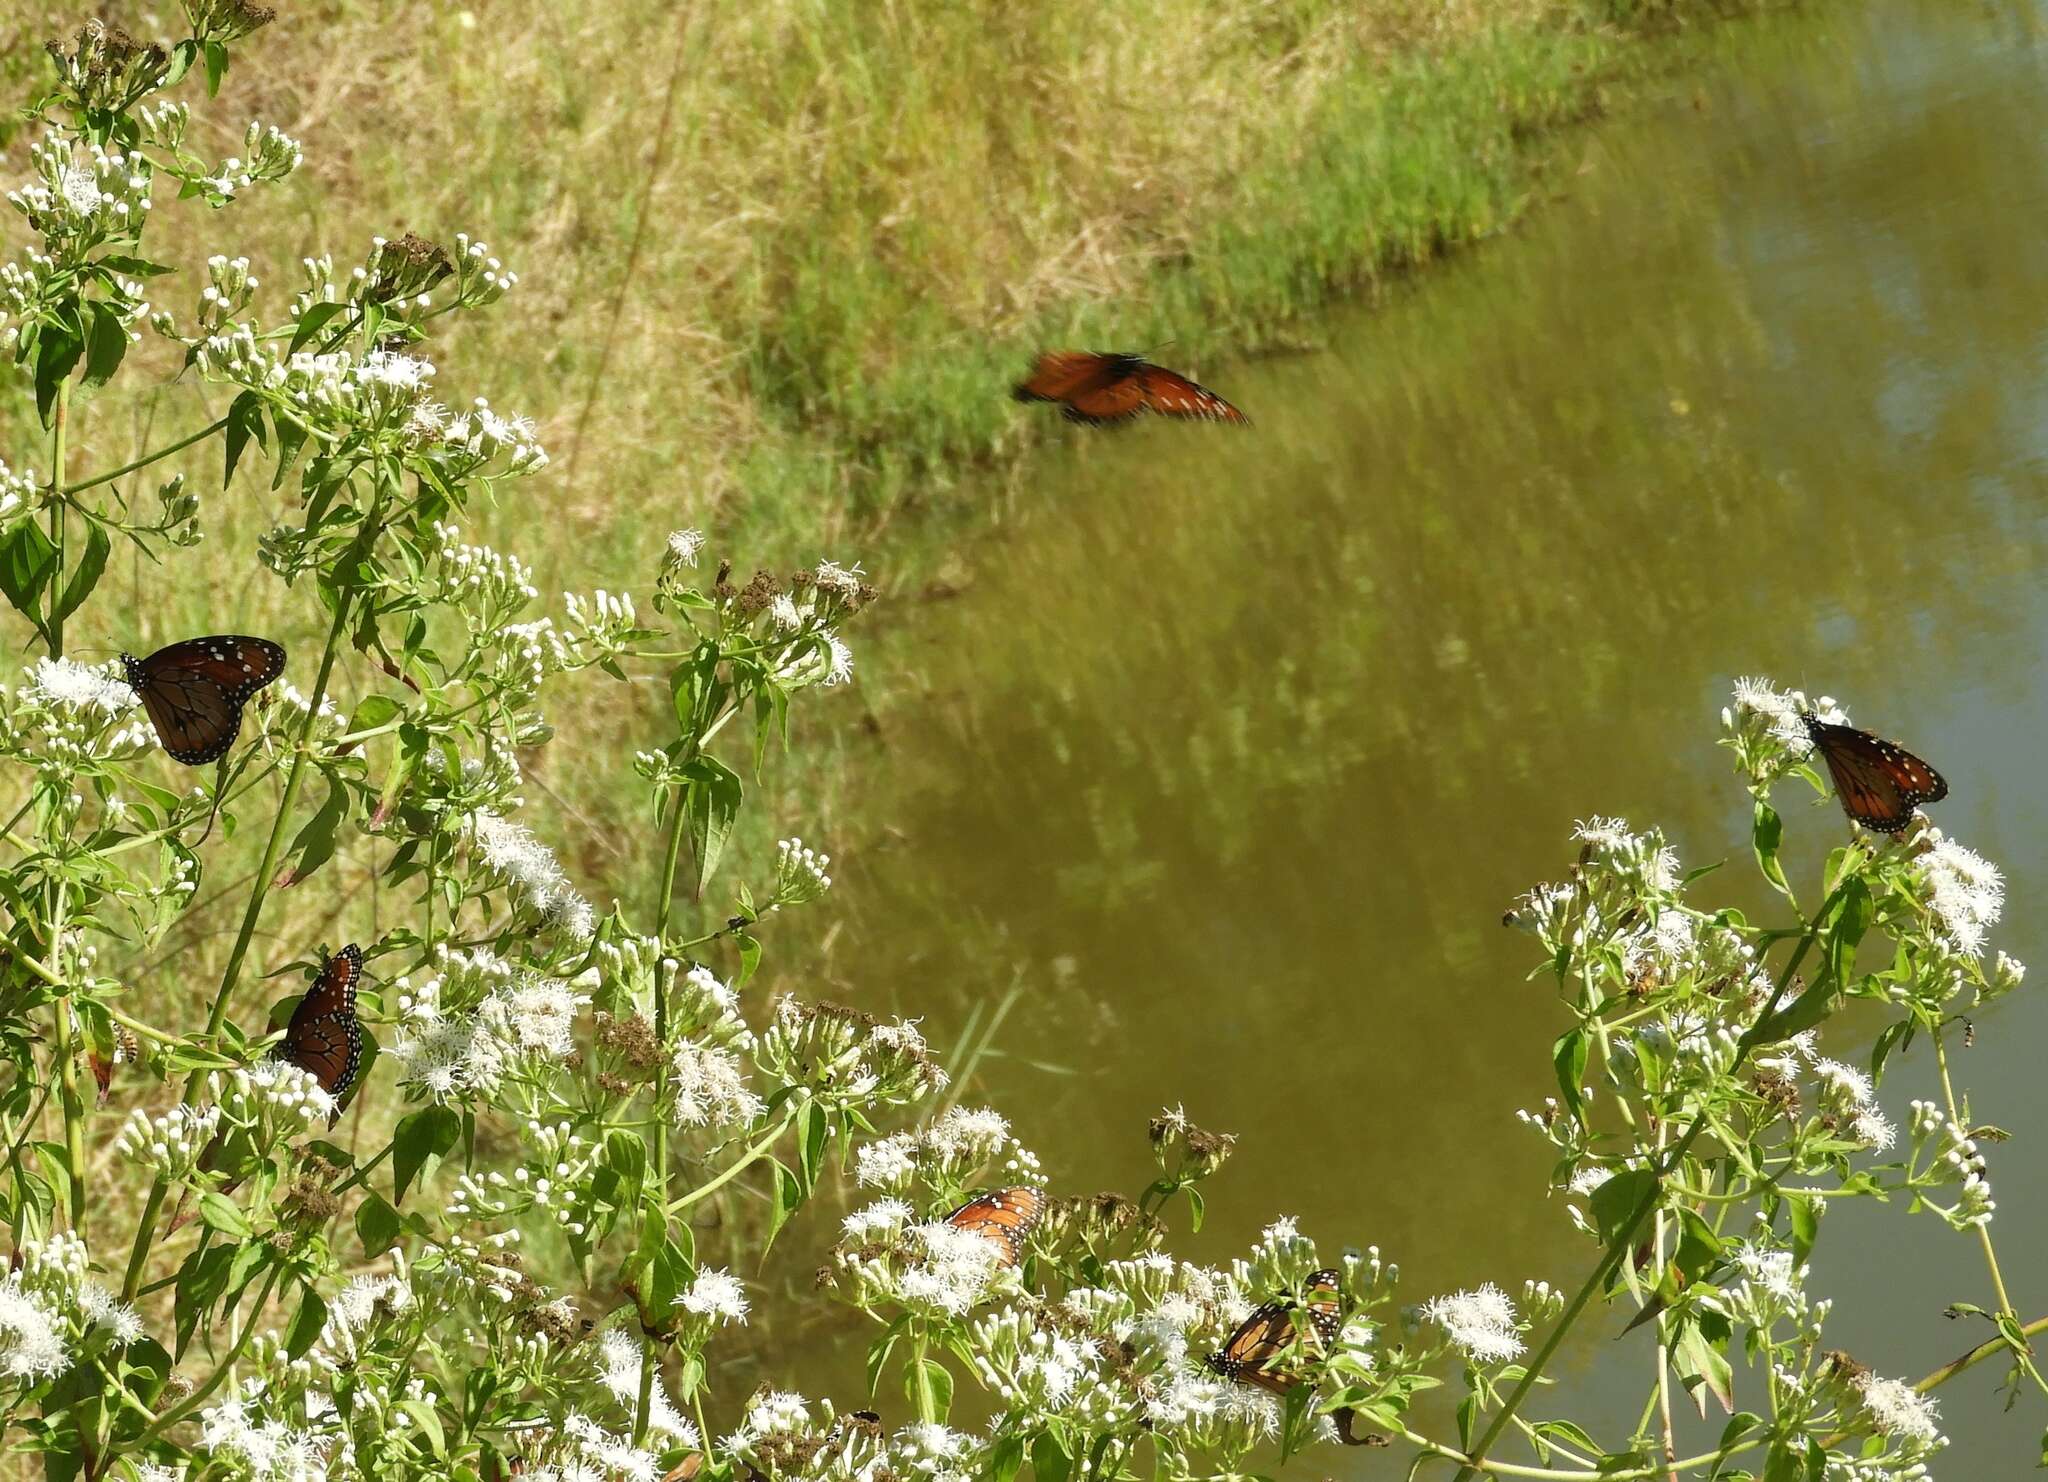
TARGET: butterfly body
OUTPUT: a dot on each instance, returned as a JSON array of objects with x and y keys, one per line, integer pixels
[
  {"x": 1878, "y": 783},
  {"x": 1005, "y": 1217},
  {"x": 1274, "y": 1328},
  {"x": 194, "y": 691},
  {"x": 324, "y": 1037},
  {"x": 1105, "y": 387}
]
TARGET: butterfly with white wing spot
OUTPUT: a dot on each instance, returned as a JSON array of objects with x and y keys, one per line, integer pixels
[{"x": 194, "y": 691}]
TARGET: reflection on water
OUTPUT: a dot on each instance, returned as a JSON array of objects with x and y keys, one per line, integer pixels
[{"x": 1238, "y": 743}]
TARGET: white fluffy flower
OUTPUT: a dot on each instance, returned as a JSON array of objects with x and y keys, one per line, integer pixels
[
  {"x": 882, "y": 1218},
  {"x": 1965, "y": 891},
  {"x": 1899, "y": 1409},
  {"x": 73, "y": 686},
  {"x": 32, "y": 1342},
  {"x": 1481, "y": 1322},
  {"x": 710, "y": 1087},
  {"x": 716, "y": 1294},
  {"x": 684, "y": 546},
  {"x": 887, "y": 1162},
  {"x": 512, "y": 851},
  {"x": 956, "y": 1269}
]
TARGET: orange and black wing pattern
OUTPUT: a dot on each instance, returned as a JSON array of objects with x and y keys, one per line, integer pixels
[
  {"x": 1273, "y": 1332},
  {"x": 325, "y": 1037},
  {"x": 1879, "y": 784},
  {"x": 194, "y": 691},
  {"x": 1101, "y": 388},
  {"x": 1005, "y": 1217}
]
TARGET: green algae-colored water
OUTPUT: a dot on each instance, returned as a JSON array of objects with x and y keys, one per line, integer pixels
[{"x": 1218, "y": 774}]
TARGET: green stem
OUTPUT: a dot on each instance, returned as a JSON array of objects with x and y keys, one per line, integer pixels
[
  {"x": 199, "y": 1396},
  {"x": 145, "y": 1230},
  {"x": 1624, "y": 1240},
  {"x": 143, "y": 462},
  {"x": 59, "y": 427},
  {"x": 650, "y": 1357},
  {"x": 752, "y": 1155}
]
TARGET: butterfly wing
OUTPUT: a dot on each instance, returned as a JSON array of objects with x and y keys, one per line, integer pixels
[
  {"x": 1879, "y": 784},
  {"x": 194, "y": 691},
  {"x": 1171, "y": 394},
  {"x": 1274, "y": 1328},
  {"x": 1007, "y": 1217},
  {"x": 324, "y": 1037},
  {"x": 1061, "y": 374}
]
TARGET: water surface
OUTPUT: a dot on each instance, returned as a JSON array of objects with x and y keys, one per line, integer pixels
[{"x": 1236, "y": 745}]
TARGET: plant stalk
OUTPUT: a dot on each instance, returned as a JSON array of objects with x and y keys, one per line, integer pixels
[{"x": 1624, "y": 1240}]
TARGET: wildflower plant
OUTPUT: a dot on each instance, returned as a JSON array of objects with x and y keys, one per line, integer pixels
[{"x": 510, "y": 1278}]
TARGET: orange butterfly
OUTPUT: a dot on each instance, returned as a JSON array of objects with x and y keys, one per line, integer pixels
[
  {"x": 1006, "y": 1217},
  {"x": 194, "y": 691},
  {"x": 324, "y": 1036},
  {"x": 1271, "y": 1331},
  {"x": 1878, "y": 784},
  {"x": 1097, "y": 388}
]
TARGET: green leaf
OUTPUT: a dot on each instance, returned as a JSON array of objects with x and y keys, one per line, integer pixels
[
  {"x": 1701, "y": 1364},
  {"x": 1570, "y": 1435},
  {"x": 1852, "y": 918},
  {"x": 314, "y": 844},
  {"x": 1699, "y": 1248},
  {"x": 937, "y": 1382},
  {"x": 312, "y": 322},
  {"x": 1766, "y": 832},
  {"x": 750, "y": 958},
  {"x": 878, "y": 1353},
  {"x": 221, "y": 1213},
  {"x": 1006, "y": 1459},
  {"x": 132, "y": 267},
  {"x": 92, "y": 562},
  {"x": 813, "y": 1129},
  {"x": 182, "y": 57},
  {"x": 1619, "y": 1204},
  {"x": 216, "y": 66},
  {"x": 27, "y": 560},
  {"x": 373, "y": 712},
  {"x": 789, "y": 1196},
  {"x": 425, "y": 1136},
  {"x": 1805, "y": 1217},
  {"x": 106, "y": 341},
  {"x": 378, "y": 1225},
  {"x": 57, "y": 351},
  {"x": 429, "y": 1424},
  {"x": 1049, "y": 1463},
  {"x": 1197, "y": 1208},
  {"x": 245, "y": 420},
  {"x": 1568, "y": 1055},
  {"x": 306, "y": 1326},
  {"x": 669, "y": 1275},
  {"x": 1805, "y": 1011},
  {"x": 713, "y": 799}
]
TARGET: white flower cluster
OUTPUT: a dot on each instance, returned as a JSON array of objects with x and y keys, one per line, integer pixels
[
  {"x": 1964, "y": 890},
  {"x": 715, "y": 1296},
  {"x": 498, "y": 585},
  {"x": 271, "y": 155},
  {"x": 933, "y": 1268},
  {"x": 353, "y": 1311},
  {"x": 517, "y": 1014},
  {"x": 1952, "y": 1158},
  {"x": 555, "y": 1178},
  {"x": 479, "y": 277},
  {"x": 511, "y": 851},
  {"x": 70, "y": 715},
  {"x": 601, "y": 624},
  {"x": 841, "y": 1056},
  {"x": 472, "y": 440},
  {"x": 799, "y": 873},
  {"x": 1481, "y": 1323},
  {"x": 170, "y": 1143},
  {"x": 619, "y": 1361},
  {"x": 18, "y": 493},
  {"x": 50, "y": 1302},
  {"x": 77, "y": 199},
  {"x": 268, "y": 1449},
  {"x": 229, "y": 287},
  {"x": 708, "y": 1085},
  {"x": 273, "y": 1100},
  {"x": 1048, "y": 1376},
  {"x": 960, "y": 1141}
]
